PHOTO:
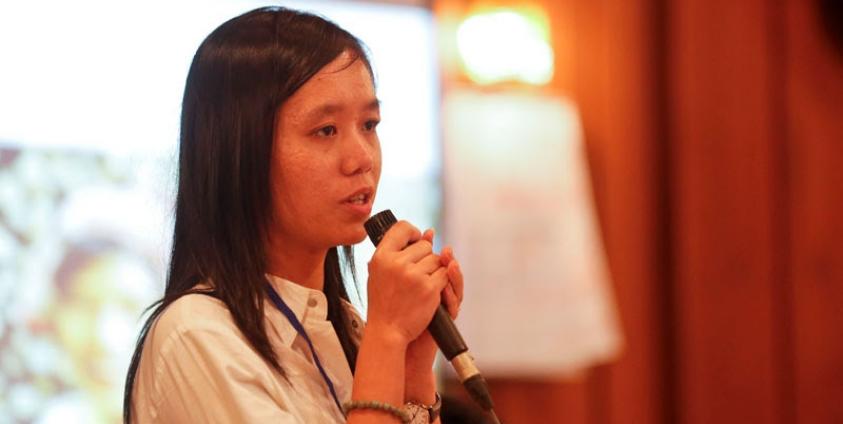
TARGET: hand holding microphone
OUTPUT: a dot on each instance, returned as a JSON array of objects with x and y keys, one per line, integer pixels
[
  {"x": 416, "y": 279},
  {"x": 441, "y": 327}
]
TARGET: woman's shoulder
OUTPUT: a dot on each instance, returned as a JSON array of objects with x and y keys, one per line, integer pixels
[
  {"x": 191, "y": 314},
  {"x": 194, "y": 350}
]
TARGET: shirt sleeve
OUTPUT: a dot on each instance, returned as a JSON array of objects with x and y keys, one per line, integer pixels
[{"x": 211, "y": 375}]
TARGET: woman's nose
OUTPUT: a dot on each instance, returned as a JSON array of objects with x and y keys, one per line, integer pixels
[{"x": 359, "y": 154}]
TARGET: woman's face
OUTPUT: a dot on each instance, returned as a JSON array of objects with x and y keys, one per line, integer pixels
[{"x": 326, "y": 158}]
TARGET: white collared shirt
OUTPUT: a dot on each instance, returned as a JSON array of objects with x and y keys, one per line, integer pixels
[{"x": 197, "y": 366}]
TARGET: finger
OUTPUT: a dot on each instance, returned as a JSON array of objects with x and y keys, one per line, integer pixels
[
  {"x": 456, "y": 278},
  {"x": 452, "y": 303},
  {"x": 399, "y": 236},
  {"x": 428, "y": 235},
  {"x": 447, "y": 255},
  {"x": 416, "y": 251},
  {"x": 428, "y": 264},
  {"x": 439, "y": 279}
]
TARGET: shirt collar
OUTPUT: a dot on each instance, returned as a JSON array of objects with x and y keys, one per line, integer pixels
[{"x": 307, "y": 304}]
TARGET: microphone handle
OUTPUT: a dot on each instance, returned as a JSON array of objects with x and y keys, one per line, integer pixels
[{"x": 445, "y": 332}]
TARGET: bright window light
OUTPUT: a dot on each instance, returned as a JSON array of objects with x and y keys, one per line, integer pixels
[{"x": 506, "y": 45}]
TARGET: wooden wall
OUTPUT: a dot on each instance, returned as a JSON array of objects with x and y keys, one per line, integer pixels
[
  {"x": 715, "y": 136},
  {"x": 813, "y": 146}
]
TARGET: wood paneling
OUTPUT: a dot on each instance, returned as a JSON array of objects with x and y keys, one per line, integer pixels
[
  {"x": 815, "y": 122},
  {"x": 715, "y": 138},
  {"x": 616, "y": 72},
  {"x": 723, "y": 195},
  {"x": 530, "y": 401}
]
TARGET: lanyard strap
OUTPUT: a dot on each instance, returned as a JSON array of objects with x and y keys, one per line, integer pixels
[{"x": 291, "y": 317}]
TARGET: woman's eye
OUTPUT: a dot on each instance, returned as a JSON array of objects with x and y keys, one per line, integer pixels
[
  {"x": 371, "y": 125},
  {"x": 326, "y": 131}
]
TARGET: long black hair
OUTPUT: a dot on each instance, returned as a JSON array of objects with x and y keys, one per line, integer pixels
[{"x": 241, "y": 74}]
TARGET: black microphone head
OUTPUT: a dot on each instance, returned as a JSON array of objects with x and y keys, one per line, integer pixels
[{"x": 378, "y": 224}]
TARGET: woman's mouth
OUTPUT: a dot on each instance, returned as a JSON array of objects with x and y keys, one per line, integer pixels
[
  {"x": 359, "y": 199},
  {"x": 360, "y": 203}
]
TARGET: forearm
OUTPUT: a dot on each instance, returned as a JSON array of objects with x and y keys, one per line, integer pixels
[
  {"x": 379, "y": 375},
  {"x": 420, "y": 385},
  {"x": 420, "y": 380}
]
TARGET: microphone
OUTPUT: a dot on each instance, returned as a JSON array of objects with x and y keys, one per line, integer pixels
[{"x": 443, "y": 330}]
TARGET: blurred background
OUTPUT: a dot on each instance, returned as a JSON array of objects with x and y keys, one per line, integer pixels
[{"x": 645, "y": 196}]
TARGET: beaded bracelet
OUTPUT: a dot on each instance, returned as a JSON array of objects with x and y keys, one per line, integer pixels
[{"x": 381, "y": 406}]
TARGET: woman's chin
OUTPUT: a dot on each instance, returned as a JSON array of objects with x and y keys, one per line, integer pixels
[{"x": 353, "y": 237}]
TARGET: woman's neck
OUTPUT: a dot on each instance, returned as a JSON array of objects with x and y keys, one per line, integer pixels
[{"x": 305, "y": 267}]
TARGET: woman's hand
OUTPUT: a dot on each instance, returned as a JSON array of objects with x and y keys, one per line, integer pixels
[
  {"x": 405, "y": 282},
  {"x": 419, "y": 379}
]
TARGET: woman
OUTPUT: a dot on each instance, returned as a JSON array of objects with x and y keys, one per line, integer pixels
[{"x": 278, "y": 166}]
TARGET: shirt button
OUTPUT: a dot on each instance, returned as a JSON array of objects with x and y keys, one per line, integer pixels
[{"x": 311, "y": 302}]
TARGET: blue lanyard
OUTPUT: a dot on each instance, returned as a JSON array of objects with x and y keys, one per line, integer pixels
[{"x": 279, "y": 303}]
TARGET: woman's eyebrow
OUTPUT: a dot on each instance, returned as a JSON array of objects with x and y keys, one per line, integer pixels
[
  {"x": 375, "y": 104},
  {"x": 332, "y": 108},
  {"x": 323, "y": 111}
]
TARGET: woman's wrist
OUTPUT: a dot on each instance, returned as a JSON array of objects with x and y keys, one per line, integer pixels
[
  {"x": 420, "y": 380},
  {"x": 385, "y": 335},
  {"x": 379, "y": 376},
  {"x": 420, "y": 387}
]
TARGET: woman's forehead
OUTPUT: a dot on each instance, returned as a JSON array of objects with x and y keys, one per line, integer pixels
[{"x": 336, "y": 88}]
